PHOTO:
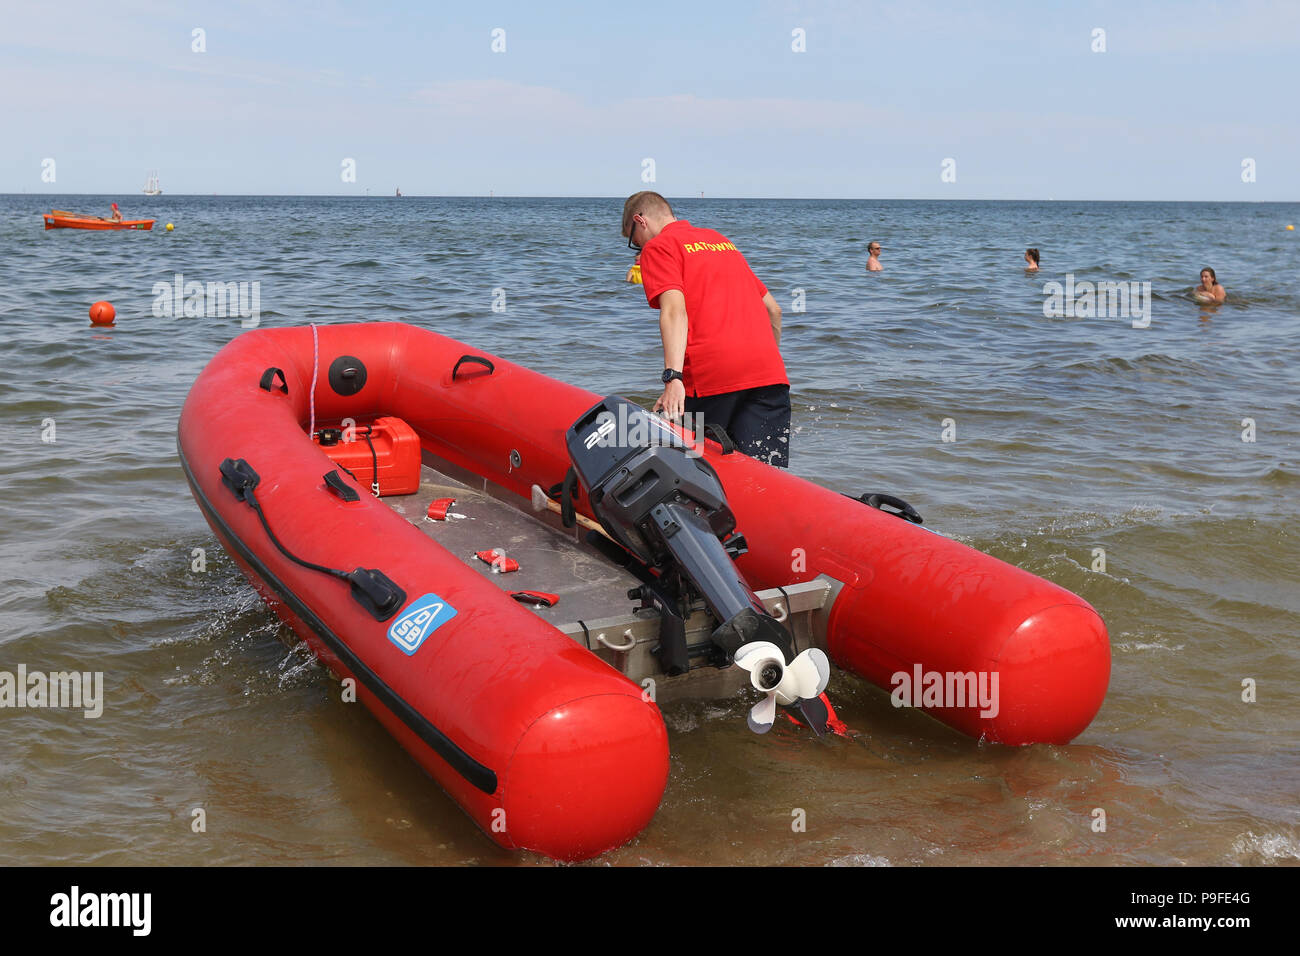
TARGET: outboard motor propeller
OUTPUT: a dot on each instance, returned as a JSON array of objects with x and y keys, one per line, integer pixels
[
  {"x": 794, "y": 685},
  {"x": 663, "y": 503}
]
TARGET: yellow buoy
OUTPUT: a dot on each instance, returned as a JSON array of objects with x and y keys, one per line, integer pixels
[
  {"x": 1290, "y": 228},
  {"x": 170, "y": 227}
]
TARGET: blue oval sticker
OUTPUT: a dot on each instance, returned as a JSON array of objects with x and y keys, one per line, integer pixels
[{"x": 422, "y": 617}]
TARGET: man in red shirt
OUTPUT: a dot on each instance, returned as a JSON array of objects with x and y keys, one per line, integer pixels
[{"x": 721, "y": 329}]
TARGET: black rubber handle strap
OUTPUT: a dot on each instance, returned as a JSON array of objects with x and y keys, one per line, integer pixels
[
  {"x": 268, "y": 379},
  {"x": 476, "y": 359},
  {"x": 719, "y": 434},
  {"x": 883, "y": 502},
  {"x": 335, "y": 484}
]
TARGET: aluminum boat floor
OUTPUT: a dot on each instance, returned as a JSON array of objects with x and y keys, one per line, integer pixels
[
  {"x": 594, "y": 609},
  {"x": 550, "y": 557}
]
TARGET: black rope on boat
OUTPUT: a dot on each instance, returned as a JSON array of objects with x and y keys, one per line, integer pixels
[
  {"x": 257, "y": 509},
  {"x": 794, "y": 639},
  {"x": 374, "y": 463},
  {"x": 567, "y": 491},
  {"x": 239, "y": 477},
  {"x": 371, "y": 588}
]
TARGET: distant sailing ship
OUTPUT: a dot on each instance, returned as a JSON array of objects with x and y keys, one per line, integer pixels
[
  {"x": 151, "y": 187},
  {"x": 399, "y": 192}
]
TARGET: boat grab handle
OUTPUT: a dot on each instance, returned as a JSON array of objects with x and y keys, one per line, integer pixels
[
  {"x": 719, "y": 434},
  {"x": 882, "y": 502},
  {"x": 268, "y": 378},
  {"x": 631, "y": 641},
  {"x": 478, "y": 359}
]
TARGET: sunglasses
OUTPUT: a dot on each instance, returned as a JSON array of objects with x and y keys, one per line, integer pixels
[{"x": 631, "y": 233}]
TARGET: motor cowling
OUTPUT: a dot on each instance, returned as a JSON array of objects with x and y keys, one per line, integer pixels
[
  {"x": 629, "y": 463},
  {"x": 665, "y": 504}
]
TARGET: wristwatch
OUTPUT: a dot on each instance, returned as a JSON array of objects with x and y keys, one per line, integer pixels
[{"x": 672, "y": 373}]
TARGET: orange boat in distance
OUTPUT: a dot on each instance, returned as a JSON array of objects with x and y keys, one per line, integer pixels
[{"x": 59, "y": 219}]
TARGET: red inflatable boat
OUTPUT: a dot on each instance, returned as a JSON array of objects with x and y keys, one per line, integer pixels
[{"x": 393, "y": 495}]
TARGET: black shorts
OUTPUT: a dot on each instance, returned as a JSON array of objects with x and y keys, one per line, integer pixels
[{"x": 757, "y": 419}]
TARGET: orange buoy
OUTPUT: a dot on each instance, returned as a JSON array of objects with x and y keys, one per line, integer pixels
[{"x": 102, "y": 313}]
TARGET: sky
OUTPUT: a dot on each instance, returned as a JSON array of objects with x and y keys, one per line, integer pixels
[{"x": 930, "y": 100}]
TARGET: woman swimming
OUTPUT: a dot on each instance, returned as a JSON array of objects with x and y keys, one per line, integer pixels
[{"x": 1209, "y": 291}]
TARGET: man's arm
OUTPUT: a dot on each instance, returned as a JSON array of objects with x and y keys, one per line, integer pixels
[
  {"x": 673, "y": 325},
  {"x": 774, "y": 314}
]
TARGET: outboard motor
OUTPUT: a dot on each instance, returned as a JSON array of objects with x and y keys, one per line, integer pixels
[{"x": 665, "y": 505}]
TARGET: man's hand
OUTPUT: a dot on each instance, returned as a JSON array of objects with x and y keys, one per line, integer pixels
[{"x": 673, "y": 400}]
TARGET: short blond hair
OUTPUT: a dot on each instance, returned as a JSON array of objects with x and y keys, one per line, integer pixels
[{"x": 639, "y": 204}]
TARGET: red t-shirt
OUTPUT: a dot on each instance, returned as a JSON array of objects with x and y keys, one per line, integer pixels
[{"x": 729, "y": 341}]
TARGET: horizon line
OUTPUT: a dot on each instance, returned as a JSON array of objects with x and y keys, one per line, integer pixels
[{"x": 666, "y": 196}]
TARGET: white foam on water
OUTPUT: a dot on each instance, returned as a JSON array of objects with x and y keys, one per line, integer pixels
[
  {"x": 679, "y": 720},
  {"x": 1271, "y": 846},
  {"x": 299, "y": 668},
  {"x": 860, "y": 859},
  {"x": 1146, "y": 645}
]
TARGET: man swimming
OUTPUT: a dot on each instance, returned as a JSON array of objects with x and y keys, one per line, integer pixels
[
  {"x": 873, "y": 261},
  {"x": 1209, "y": 291},
  {"x": 1031, "y": 258}
]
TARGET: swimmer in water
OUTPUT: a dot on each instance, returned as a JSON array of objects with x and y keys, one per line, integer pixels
[
  {"x": 873, "y": 260},
  {"x": 633, "y": 272},
  {"x": 1209, "y": 291},
  {"x": 1031, "y": 257}
]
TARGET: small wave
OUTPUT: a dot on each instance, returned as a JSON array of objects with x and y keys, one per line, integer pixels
[
  {"x": 1076, "y": 523},
  {"x": 1152, "y": 362},
  {"x": 1282, "y": 302},
  {"x": 1282, "y": 476},
  {"x": 361, "y": 264}
]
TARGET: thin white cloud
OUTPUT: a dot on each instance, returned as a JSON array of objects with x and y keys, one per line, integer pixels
[{"x": 502, "y": 104}]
